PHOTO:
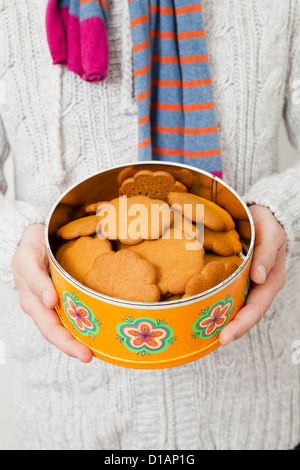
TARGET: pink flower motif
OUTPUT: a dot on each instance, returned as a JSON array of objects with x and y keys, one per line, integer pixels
[
  {"x": 145, "y": 335},
  {"x": 79, "y": 314},
  {"x": 216, "y": 317}
]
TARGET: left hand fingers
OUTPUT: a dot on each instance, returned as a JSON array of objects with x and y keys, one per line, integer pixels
[{"x": 259, "y": 301}]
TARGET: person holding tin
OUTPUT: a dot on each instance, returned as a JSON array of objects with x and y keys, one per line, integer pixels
[{"x": 77, "y": 102}]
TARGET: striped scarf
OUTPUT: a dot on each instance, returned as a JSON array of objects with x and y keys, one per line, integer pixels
[{"x": 176, "y": 114}]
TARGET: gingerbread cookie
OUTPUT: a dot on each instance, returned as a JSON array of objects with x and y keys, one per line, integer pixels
[
  {"x": 61, "y": 216},
  {"x": 133, "y": 219},
  {"x": 244, "y": 229},
  {"x": 202, "y": 191},
  {"x": 156, "y": 185},
  {"x": 81, "y": 227},
  {"x": 127, "y": 172},
  {"x": 226, "y": 199},
  {"x": 187, "y": 228},
  {"x": 77, "y": 257},
  {"x": 184, "y": 176},
  {"x": 214, "y": 216},
  {"x": 221, "y": 195},
  {"x": 210, "y": 276},
  {"x": 124, "y": 275},
  {"x": 222, "y": 243},
  {"x": 208, "y": 257},
  {"x": 173, "y": 260},
  {"x": 171, "y": 298}
]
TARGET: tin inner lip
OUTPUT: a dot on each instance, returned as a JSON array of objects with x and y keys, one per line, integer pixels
[{"x": 152, "y": 305}]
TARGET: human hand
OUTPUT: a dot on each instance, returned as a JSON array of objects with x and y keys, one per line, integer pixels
[
  {"x": 267, "y": 273},
  {"x": 38, "y": 296}
]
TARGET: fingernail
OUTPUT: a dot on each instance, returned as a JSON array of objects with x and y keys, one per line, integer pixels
[
  {"x": 262, "y": 270},
  {"x": 228, "y": 341},
  {"x": 231, "y": 339},
  {"x": 45, "y": 298}
]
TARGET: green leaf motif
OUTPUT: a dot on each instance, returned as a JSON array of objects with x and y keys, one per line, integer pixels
[
  {"x": 161, "y": 322},
  {"x": 143, "y": 353},
  {"x": 128, "y": 319},
  {"x": 172, "y": 340}
]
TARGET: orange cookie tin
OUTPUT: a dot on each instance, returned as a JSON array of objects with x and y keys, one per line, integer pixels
[{"x": 147, "y": 335}]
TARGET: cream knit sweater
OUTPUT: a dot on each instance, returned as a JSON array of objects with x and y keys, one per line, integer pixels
[{"x": 59, "y": 130}]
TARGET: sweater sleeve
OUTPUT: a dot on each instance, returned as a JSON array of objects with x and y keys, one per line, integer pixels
[
  {"x": 281, "y": 191},
  {"x": 15, "y": 216}
]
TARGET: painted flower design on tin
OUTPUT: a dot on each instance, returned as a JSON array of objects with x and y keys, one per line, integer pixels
[
  {"x": 81, "y": 317},
  {"x": 213, "y": 319},
  {"x": 145, "y": 336}
]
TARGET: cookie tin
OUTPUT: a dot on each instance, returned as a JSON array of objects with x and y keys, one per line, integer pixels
[{"x": 147, "y": 335}]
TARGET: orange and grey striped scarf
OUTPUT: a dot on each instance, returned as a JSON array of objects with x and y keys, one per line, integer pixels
[{"x": 176, "y": 113}]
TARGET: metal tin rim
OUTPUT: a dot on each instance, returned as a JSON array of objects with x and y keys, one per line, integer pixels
[{"x": 152, "y": 305}]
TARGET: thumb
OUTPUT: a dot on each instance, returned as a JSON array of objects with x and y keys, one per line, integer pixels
[
  {"x": 269, "y": 238},
  {"x": 40, "y": 283},
  {"x": 31, "y": 267}
]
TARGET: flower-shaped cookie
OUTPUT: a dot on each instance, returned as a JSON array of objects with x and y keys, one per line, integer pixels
[
  {"x": 77, "y": 257},
  {"x": 156, "y": 185},
  {"x": 210, "y": 276},
  {"x": 174, "y": 261},
  {"x": 124, "y": 275},
  {"x": 222, "y": 243}
]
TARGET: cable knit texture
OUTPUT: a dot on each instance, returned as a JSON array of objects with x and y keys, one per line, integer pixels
[{"x": 59, "y": 129}]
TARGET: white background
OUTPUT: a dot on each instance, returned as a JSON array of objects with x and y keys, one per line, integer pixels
[{"x": 287, "y": 157}]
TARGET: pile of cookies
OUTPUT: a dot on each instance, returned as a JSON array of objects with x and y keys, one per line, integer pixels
[{"x": 134, "y": 256}]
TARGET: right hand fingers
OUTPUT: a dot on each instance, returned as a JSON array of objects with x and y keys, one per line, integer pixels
[
  {"x": 38, "y": 296},
  {"x": 30, "y": 266},
  {"x": 33, "y": 274},
  {"x": 52, "y": 330}
]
